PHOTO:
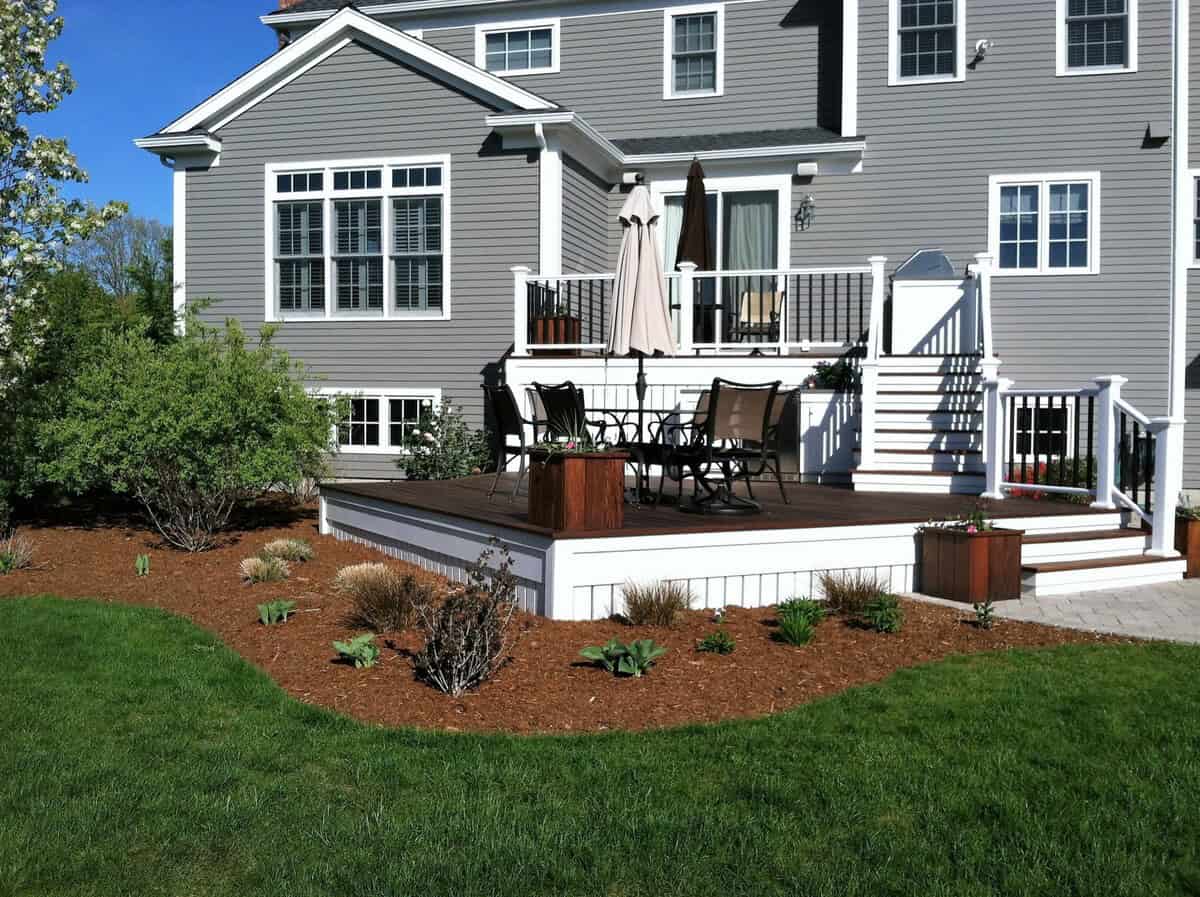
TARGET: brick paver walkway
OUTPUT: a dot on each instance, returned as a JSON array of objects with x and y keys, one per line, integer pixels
[{"x": 1169, "y": 611}]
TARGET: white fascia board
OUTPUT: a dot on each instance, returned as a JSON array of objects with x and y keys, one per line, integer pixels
[
  {"x": 181, "y": 143},
  {"x": 576, "y": 137},
  {"x": 333, "y": 29},
  {"x": 753, "y": 152},
  {"x": 377, "y": 9}
]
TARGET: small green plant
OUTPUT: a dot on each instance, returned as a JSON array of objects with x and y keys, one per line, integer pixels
[
  {"x": 274, "y": 612},
  {"x": 717, "y": 642},
  {"x": 883, "y": 614},
  {"x": 985, "y": 615},
  {"x": 633, "y": 659},
  {"x": 797, "y": 631},
  {"x": 264, "y": 569},
  {"x": 803, "y": 609},
  {"x": 849, "y": 593},
  {"x": 656, "y": 605},
  {"x": 296, "y": 550},
  {"x": 16, "y": 553},
  {"x": 141, "y": 565},
  {"x": 361, "y": 649},
  {"x": 840, "y": 376},
  {"x": 1186, "y": 509}
]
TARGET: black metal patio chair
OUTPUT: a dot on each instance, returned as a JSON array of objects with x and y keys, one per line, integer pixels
[
  {"x": 563, "y": 414},
  {"x": 509, "y": 421}
]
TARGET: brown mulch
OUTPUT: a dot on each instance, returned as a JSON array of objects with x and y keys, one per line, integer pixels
[{"x": 545, "y": 686}]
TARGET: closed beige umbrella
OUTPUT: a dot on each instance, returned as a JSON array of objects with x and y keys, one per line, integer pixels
[{"x": 641, "y": 319}]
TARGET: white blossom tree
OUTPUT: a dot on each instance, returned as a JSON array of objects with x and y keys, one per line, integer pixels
[{"x": 36, "y": 221}]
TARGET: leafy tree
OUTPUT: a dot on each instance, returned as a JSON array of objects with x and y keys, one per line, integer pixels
[
  {"x": 152, "y": 291},
  {"x": 37, "y": 221},
  {"x": 112, "y": 253},
  {"x": 189, "y": 429}
]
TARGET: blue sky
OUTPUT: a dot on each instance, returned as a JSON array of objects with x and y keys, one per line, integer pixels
[{"x": 140, "y": 64}]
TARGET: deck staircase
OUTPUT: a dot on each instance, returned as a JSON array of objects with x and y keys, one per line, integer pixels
[
  {"x": 1108, "y": 554},
  {"x": 928, "y": 426}
]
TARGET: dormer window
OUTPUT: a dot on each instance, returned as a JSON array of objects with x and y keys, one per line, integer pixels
[
  {"x": 518, "y": 48},
  {"x": 694, "y": 51}
]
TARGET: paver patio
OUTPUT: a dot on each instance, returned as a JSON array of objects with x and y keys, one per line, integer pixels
[{"x": 1168, "y": 611}]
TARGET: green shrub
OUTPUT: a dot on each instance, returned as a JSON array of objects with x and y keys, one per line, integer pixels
[
  {"x": 717, "y": 642},
  {"x": 802, "y": 609},
  {"x": 795, "y": 630},
  {"x": 141, "y": 565},
  {"x": 656, "y": 605},
  {"x": 264, "y": 569},
  {"x": 633, "y": 659},
  {"x": 883, "y": 614},
  {"x": 188, "y": 429},
  {"x": 297, "y": 550},
  {"x": 384, "y": 598},
  {"x": 361, "y": 649},
  {"x": 849, "y": 593},
  {"x": 274, "y": 612},
  {"x": 16, "y": 552},
  {"x": 985, "y": 614},
  {"x": 840, "y": 376},
  {"x": 443, "y": 447},
  {"x": 466, "y": 637}
]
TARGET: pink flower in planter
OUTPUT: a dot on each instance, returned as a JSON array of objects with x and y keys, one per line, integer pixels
[
  {"x": 570, "y": 446},
  {"x": 972, "y": 530}
]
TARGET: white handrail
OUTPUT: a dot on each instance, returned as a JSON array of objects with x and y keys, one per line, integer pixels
[
  {"x": 983, "y": 279},
  {"x": 1082, "y": 392},
  {"x": 1131, "y": 411},
  {"x": 787, "y": 272}
]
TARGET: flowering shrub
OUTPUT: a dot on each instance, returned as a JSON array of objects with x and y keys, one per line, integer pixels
[
  {"x": 840, "y": 376},
  {"x": 443, "y": 447}
]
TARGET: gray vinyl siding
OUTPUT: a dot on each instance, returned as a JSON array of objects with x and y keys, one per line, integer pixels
[
  {"x": 931, "y": 149},
  {"x": 359, "y": 104},
  {"x": 1191, "y": 433},
  {"x": 612, "y": 70},
  {"x": 585, "y": 220}
]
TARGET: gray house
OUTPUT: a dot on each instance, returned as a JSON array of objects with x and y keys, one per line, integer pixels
[{"x": 406, "y": 187}]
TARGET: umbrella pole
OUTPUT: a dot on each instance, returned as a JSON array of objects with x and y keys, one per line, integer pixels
[{"x": 640, "y": 389}]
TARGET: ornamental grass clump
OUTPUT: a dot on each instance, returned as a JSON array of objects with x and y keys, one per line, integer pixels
[
  {"x": 295, "y": 550},
  {"x": 16, "y": 552},
  {"x": 384, "y": 599},
  {"x": 264, "y": 569},
  {"x": 658, "y": 604},
  {"x": 849, "y": 593},
  {"x": 798, "y": 619},
  {"x": 467, "y": 636}
]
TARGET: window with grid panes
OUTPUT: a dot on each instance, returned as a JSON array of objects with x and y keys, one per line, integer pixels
[
  {"x": 358, "y": 255},
  {"x": 928, "y": 38},
  {"x": 1097, "y": 33},
  {"x": 299, "y": 257},
  {"x": 694, "y": 53}
]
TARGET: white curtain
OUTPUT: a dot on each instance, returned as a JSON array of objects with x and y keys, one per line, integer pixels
[
  {"x": 751, "y": 230},
  {"x": 671, "y": 223}
]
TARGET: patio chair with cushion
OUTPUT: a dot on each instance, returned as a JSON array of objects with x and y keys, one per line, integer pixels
[
  {"x": 732, "y": 441},
  {"x": 509, "y": 421},
  {"x": 758, "y": 316}
]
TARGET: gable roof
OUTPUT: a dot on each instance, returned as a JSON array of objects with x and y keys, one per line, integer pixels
[{"x": 344, "y": 26}]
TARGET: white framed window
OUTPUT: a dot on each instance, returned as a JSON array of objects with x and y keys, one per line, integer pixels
[
  {"x": 1050, "y": 438},
  {"x": 1096, "y": 37},
  {"x": 519, "y": 48},
  {"x": 927, "y": 41},
  {"x": 694, "y": 51},
  {"x": 1045, "y": 224},
  {"x": 1194, "y": 176},
  {"x": 378, "y": 421},
  {"x": 358, "y": 240}
]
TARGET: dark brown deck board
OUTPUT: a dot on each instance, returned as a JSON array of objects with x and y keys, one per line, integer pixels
[
  {"x": 1085, "y": 536},
  {"x": 1128, "y": 560},
  {"x": 811, "y": 506}
]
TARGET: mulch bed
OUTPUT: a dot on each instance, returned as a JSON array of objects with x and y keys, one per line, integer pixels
[{"x": 545, "y": 686}]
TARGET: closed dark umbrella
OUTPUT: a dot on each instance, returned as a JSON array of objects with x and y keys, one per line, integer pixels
[{"x": 695, "y": 240}]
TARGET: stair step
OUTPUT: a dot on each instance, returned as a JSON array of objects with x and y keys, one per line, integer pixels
[
  {"x": 1126, "y": 560},
  {"x": 1083, "y": 545},
  {"x": 1099, "y": 574},
  {"x": 929, "y": 460},
  {"x": 1082, "y": 535},
  {"x": 917, "y": 481},
  {"x": 935, "y": 419}
]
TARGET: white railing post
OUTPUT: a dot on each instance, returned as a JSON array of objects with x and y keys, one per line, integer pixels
[
  {"x": 687, "y": 306},
  {"x": 994, "y": 428},
  {"x": 520, "y": 309},
  {"x": 1106, "y": 440},
  {"x": 1168, "y": 448},
  {"x": 989, "y": 364},
  {"x": 870, "y": 365}
]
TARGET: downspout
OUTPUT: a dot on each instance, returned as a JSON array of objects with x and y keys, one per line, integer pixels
[{"x": 1181, "y": 240}]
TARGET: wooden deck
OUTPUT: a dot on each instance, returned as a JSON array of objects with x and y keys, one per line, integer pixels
[{"x": 810, "y": 506}]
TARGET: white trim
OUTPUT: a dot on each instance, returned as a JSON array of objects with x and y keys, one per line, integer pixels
[
  {"x": 1043, "y": 181},
  {"x": 483, "y": 30},
  {"x": 347, "y": 19},
  {"x": 756, "y": 152},
  {"x": 550, "y": 204},
  {"x": 179, "y": 247},
  {"x": 670, "y": 13},
  {"x": 327, "y": 196},
  {"x": 1184, "y": 233},
  {"x": 960, "y": 44},
  {"x": 422, "y": 393},
  {"x": 782, "y": 183},
  {"x": 164, "y": 144},
  {"x": 849, "y": 68},
  {"x": 1062, "y": 70}
]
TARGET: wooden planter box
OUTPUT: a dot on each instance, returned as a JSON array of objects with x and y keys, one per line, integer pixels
[
  {"x": 971, "y": 567},
  {"x": 584, "y": 491},
  {"x": 1187, "y": 543},
  {"x": 559, "y": 331}
]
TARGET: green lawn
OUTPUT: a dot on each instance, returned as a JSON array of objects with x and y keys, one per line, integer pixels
[{"x": 141, "y": 757}]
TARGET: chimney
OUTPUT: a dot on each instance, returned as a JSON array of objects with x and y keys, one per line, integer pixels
[{"x": 287, "y": 4}]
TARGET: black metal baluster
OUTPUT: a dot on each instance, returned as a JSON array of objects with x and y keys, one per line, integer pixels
[
  {"x": 860, "y": 307},
  {"x": 822, "y": 308},
  {"x": 810, "y": 308},
  {"x": 1038, "y": 475},
  {"x": 1025, "y": 446},
  {"x": 1075, "y": 453},
  {"x": 1137, "y": 461},
  {"x": 1090, "y": 448}
]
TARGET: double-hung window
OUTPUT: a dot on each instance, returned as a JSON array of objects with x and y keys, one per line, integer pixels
[
  {"x": 381, "y": 422},
  {"x": 1096, "y": 36},
  {"x": 1045, "y": 224},
  {"x": 926, "y": 40},
  {"x": 693, "y": 51},
  {"x": 518, "y": 48},
  {"x": 359, "y": 240},
  {"x": 1042, "y": 432}
]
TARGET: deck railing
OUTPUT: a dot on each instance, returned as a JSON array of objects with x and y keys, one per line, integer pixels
[
  {"x": 774, "y": 311},
  {"x": 1088, "y": 442}
]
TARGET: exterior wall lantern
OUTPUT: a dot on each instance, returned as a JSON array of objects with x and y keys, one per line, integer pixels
[{"x": 806, "y": 213}]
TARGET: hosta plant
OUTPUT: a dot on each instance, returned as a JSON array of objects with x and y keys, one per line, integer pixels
[
  {"x": 361, "y": 650},
  {"x": 274, "y": 612},
  {"x": 884, "y": 614},
  {"x": 264, "y": 569},
  {"x": 296, "y": 550},
  {"x": 633, "y": 659},
  {"x": 141, "y": 565},
  {"x": 717, "y": 642}
]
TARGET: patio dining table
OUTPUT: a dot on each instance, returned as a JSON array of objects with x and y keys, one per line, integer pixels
[{"x": 649, "y": 442}]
